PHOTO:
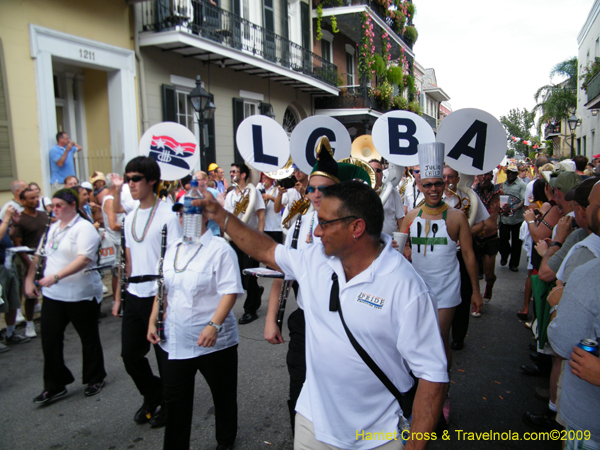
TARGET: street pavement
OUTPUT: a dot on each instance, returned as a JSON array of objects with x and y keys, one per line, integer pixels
[{"x": 488, "y": 391}]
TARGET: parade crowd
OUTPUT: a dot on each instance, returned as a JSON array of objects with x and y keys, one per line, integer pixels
[{"x": 374, "y": 268}]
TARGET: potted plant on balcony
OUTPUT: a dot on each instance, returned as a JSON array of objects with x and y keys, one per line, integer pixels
[
  {"x": 589, "y": 72},
  {"x": 383, "y": 95},
  {"x": 410, "y": 35}
]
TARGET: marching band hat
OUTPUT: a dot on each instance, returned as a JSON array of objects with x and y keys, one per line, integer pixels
[
  {"x": 431, "y": 160},
  {"x": 346, "y": 170}
]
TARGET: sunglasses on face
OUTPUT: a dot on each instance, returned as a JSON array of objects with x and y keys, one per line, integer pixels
[
  {"x": 437, "y": 184},
  {"x": 416, "y": 171},
  {"x": 378, "y": 170},
  {"x": 324, "y": 223},
  {"x": 58, "y": 205},
  {"x": 313, "y": 189},
  {"x": 135, "y": 178}
]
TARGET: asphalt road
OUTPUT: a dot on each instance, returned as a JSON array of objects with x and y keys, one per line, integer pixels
[{"x": 488, "y": 391}]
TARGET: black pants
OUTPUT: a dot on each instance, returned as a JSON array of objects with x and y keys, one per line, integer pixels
[
  {"x": 296, "y": 359},
  {"x": 460, "y": 322},
  {"x": 56, "y": 315},
  {"x": 219, "y": 369},
  {"x": 135, "y": 346},
  {"x": 510, "y": 244},
  {"x": 249, "y": 282}
]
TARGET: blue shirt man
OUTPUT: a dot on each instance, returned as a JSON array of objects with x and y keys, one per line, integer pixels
[{"x": 62, "y": 164}]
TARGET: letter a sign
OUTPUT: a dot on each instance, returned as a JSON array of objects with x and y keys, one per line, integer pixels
[{"x": 475, "y": 141}]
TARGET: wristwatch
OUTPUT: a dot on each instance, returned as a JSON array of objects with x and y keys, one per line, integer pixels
[
  {"x": 216, "y": 327},
  {"x": 558, "y": 244}
]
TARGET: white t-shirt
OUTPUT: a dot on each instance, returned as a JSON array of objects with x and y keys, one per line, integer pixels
[
  {"x": 290, "y": 196},
  {"x": 145, "y": 254},
  {"x": 306, "y": 237},
  {"x": 272, "y": 219},
  {"x": 391, "y": 313},
  {"x": 114, "y": 236},
  {"x": 233, "y": 197},
  {"x": 127, "y": 201},
  {"x": 17, "y": 206},
  {"x": 194, "y": 295},
  {"x": 482, "y": 212},
  {"x": 79, "y": 237},
  {"x": 392, "y": 210},
  {"x": 529, "y": 191},
  {"x": 44, "y": 201}
]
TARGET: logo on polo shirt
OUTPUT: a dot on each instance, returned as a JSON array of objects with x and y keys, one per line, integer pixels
[{"x": 371, "y": 300}]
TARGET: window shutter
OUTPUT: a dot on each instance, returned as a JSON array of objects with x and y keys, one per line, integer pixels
[
  {"x": 284, "y": 19},
  {"x": 238, "y": 117},
  {"x": 169, "y": 103},
  {"x": 8, "y": 170}
]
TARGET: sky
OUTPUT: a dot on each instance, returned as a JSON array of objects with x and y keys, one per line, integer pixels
[{"x": 494, "y": 55}]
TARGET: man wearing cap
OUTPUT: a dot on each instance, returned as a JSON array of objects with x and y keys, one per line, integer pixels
[
  {"x": 562, "y": 181},
  {"x": 98, "y": 181},
  {"x": 435, "y": 230},
  {"x": 386, "y": 306},
  {"x": 213, "y": 174},
  {"x": 62, "y": 163},
  {"x": 511, "y": 218}
]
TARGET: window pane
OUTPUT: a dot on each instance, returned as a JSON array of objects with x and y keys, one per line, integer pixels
[{"x": 181, "y": 97}]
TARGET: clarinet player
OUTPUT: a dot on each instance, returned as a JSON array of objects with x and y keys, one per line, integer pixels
[
  {"x": 202, "y": 282},
  {"x": 70, "y": 296}
]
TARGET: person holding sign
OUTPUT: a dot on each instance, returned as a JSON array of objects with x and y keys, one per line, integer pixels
[{"x": 435, "y": 230}]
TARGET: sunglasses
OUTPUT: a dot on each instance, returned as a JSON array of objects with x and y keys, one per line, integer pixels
[
  {"x": 324, "y": 223},
  {"x": 58, "y": 206},
  {"x": 313, "y": 189},
  {"x": 135, "y": 178},
  {"x": 378, "y": 170},
  {"x": 437, "y": 184},
  {"x": 416, "y": 171}
]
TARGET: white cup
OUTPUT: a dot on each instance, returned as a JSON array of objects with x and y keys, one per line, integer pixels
[
  {"x": 503, "y": 200},
  {"x": 400, "y": 238}
]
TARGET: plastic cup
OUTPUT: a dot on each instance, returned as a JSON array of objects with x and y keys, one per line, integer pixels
[
  {"x": 503, "y": 200},
  {"x": 400, "y": 238}
]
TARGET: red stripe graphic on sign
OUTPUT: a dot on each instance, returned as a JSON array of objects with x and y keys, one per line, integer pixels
[{"x": 168, "y": 141}]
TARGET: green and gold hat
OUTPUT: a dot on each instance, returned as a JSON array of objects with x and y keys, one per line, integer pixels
[{"x": 345, "y": 170}]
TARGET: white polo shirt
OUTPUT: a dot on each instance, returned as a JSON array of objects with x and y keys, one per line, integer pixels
[
  {"x": 145, "y": 254},
  {"x": 233, "y": 197},
  {"x": 392, "y": 210},
  {"x": 79, "y": 237},
  {"x": 391, "y": 312},
  {"x": 194, "y": 295},
  {"x": 272, "y": 219}
]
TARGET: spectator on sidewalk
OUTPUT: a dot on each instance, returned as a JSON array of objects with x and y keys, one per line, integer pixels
[
  {"x": 71, "y": 182},
  {"x": 45, "y": 203},
  {"x": 62, "y": 163},
  {"x": 15, "y": 187}
]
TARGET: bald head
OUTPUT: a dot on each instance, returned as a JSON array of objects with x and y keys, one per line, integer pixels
[{"x": 16, "y": 187}]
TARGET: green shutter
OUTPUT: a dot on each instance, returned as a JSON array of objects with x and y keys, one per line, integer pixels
[
  {"x": 8, "y": 169},
  {"x": 238, "y": 117},
  {"x": 169, "y": 103}
]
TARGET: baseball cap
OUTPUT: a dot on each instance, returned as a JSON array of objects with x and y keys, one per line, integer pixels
[
  {"x": 565, "y": 181},
  {"x": 96, "y": 176},
  {"x": 178, "y": 206},
  {"x": 582, "y": 192},
  {"x": 212, "y": 166},
  {"x": 87, "y": 185}
]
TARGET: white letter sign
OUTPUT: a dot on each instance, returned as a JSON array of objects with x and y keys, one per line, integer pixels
[{"x": 263, "y": 143}]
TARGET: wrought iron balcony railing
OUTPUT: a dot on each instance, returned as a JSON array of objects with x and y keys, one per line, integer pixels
[
  {"x": 552, "y": 129},
  {"x": 350, "y": 97},
  {"x": 223, "y": 27},
  {"x": 593, "y": 89}
]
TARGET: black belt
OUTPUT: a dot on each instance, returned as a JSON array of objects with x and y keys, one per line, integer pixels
[{"x": 142, "y": 278}]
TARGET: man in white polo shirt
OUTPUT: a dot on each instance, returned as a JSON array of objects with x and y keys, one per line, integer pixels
[{"x": 387, "y": 307}]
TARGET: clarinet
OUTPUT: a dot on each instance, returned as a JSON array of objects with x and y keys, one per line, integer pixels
[
  {"x": 287, "y": 284},
  {"x": 160, "y": 325},
  {"x": 41, "y": 263},
  {"x": 122, "y": 278}
]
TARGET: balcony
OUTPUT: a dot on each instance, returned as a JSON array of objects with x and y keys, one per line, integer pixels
[
  {"x": 351, "y": 97},
  {"x": 552, "y": 129},
  {"x": 593, "y": 92},
  {"x": 207, "y": 32},
  {"x": 432, "y": 121}
]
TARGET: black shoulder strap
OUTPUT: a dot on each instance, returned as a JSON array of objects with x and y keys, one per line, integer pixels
[{"x": 334, "y": 302}]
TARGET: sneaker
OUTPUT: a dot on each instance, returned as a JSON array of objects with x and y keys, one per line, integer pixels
[
  {"x": 30, "y": 330},
  {"x": 3, "y": 348},
  {"x": 48, "y": 396},
  {"x": 487, "y": 297},
  {"x": 475, "y": 314},
  {"x": 17, "y": 339},
  {"x": 93, "y": 389},
  {"x": 20, "y": 318}
]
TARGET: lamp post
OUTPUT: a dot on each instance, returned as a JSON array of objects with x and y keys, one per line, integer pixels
[
  {"x": 573, "y": 121},
  {"x": 202, "y": 101}
]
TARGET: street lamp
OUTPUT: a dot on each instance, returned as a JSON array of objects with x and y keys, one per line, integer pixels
[
  {"x": 202, "y": 101},
  {"x": 573, "y": 121}
]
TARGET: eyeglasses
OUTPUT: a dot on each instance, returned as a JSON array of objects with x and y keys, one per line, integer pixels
[
  {"x": 378, "y": 170},
  {"x": 416, "y": 171},
  {"x": 135, "y": 178},
  {"x": 58, "y": 206},
  {"x": 324, "y": 223},
  {"x": 313, "y": 189},
  {"x": 437, "y": 184}
]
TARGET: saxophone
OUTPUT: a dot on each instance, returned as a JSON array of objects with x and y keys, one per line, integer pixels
[
  {"x": 242, "y": 205},
  {"x": 298, "y": 207}
]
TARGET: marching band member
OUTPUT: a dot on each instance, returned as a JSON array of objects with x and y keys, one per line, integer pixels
[
  {"x": 270, "y": 191},
  {"x": 394, "y": 208},
  {"x": 70, "y": 296},
  {"x": 202, "y": 283},
  {"x": 240, "y": 174},
  {"x": 143, "y": 227}
]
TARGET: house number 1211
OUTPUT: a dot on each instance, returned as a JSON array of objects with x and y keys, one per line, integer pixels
[{"x": 86, "y": 54}]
